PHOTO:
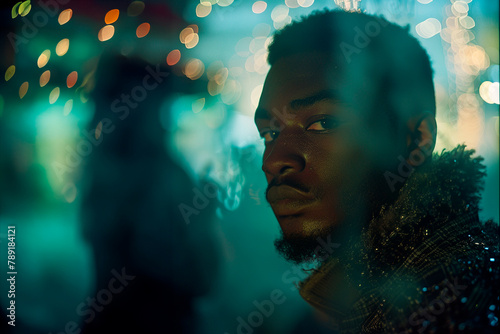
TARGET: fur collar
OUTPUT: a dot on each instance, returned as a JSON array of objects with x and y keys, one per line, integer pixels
[
  {"x": 437, "y": 193},
  {"x": 438, "y": 201}
]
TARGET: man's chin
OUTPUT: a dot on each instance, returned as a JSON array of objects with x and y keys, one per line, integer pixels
[{"x": 298, "y": 248}]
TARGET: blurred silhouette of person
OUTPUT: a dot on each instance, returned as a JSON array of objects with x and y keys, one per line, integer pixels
[
  {"x": 347, "y": 114},
  {"x": 151, "y": 260}
]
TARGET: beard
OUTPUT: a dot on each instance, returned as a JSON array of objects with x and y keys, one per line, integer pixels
[
  {"x": 307, "y": 249},
  {"x": 296, "y": 249},
  {"x": 300, "y": 249}
]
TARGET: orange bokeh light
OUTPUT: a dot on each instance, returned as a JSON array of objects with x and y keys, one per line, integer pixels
[
  {"x": 23, "y": 89},
  {"x": 143, "y": 30},
  {"x": 65, "y": 16},
  {"x": 72, "y": 78},
  {"x": 173, "y": 57},
  {"x": 112, "y": 16},
  {"x": 44, "y": 78}
]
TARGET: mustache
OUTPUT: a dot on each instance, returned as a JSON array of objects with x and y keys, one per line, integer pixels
[{"x": 288, "y": 182}]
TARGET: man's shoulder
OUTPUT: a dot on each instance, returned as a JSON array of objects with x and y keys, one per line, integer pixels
[{"x": 457, "y": 291}]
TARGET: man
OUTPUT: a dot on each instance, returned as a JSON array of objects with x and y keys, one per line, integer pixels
[{"x": 347, "y": 114}]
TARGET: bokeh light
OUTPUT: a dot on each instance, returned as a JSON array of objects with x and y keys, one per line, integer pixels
[
  {"x": 198, "y": 105},
  {"x": 203, "y": 9},
  {"x": 213, "y": 88},
  {"x": 261, "y": 30},
  {"x": 23, "y": 89},
  {"x": 489, "y": 92},
  {"x": 44, "y": 78},
  {"x": 473, "y": 59},
  {"x": 225, "y": 3},
  {"x": 106, "y": 33},
  {"x": 194, "y": 27},
  {"x": 467, "y": 22},
  {"x": 143, "y": 30},
  {"x": 188, "y": 31},
  {"x": 192, "y": 40},
  {"x": 279, "y": 13},
  {"x": 54, "y": 95},
  {"x": 428, "y": 28},
  {"x": 292, "y": 3},
  {"x": 135, "y": 8},
  {"x": 9, "y": 73},
  {"x": 194, "y": 69},
  {"x": 68, "y": 106},
  {"x": 281, "y": 24},
  {"x": 305, "y": 3},
  {"x": 65, "y": 16},
  {"x": 69, "y": 192},
  {"x": 221, "y": 76},
  {"x": 494, "y": 92},
  {"x": 213, "y": 68},
  {"x": 173, "y": 57},
  {"x": 71, "y": 79},
  {"x": 259, "y": 7},
  {"x": 231, "y": 92},
  {"x": 43, "y": 59},
  {"x": 111, "y": 16},
  {"x": 460, "y": 8},
  {"x": 15, "y": 10},
  {"x": 24, "y": 8},
  {"x": 62, "y": 47}
]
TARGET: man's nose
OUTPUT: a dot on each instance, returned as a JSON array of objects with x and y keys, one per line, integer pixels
[{"x": 284, "y": 157}]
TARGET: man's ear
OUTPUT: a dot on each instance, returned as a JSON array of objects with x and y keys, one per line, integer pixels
[{"x": 422, "y": 139}]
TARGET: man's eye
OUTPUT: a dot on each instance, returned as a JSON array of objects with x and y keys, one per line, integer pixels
[
  {"x": 269, "y": 135},
  {"x": 323, "y": 125}
]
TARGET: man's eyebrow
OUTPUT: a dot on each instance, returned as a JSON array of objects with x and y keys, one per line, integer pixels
[{"x": 329, "y": 94}]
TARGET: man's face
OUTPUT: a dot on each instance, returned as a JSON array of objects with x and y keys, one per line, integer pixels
[{"x": 319, "y": 158}]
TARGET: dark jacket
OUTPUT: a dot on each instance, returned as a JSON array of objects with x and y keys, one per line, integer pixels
[{"x": 425, "y": 264}]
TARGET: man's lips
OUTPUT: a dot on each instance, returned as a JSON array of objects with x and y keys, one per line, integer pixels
[{"x": 288, "y": 201}]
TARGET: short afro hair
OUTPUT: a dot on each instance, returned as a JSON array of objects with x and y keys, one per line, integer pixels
[{"x": 394, "y": 60}]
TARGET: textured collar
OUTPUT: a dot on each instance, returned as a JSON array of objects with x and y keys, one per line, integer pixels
[{"x": 430, "y": 219}]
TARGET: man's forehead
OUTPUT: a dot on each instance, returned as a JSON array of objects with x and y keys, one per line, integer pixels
[{"x": 298, "y": 77}]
